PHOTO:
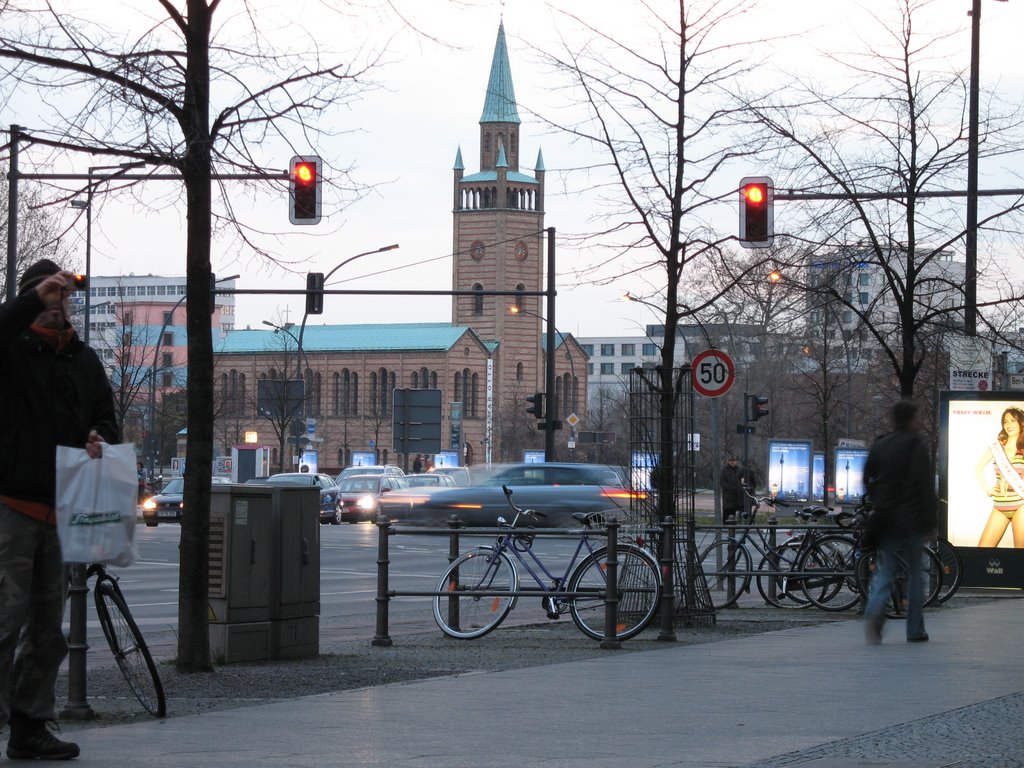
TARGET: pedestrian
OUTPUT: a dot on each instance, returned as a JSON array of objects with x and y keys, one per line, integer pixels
[
  {"x": 898, "y": 477},
  {"x": 734, "y": 484},
  {"x": 56, "y": 392},
  {"x": 417, "y": 464}
]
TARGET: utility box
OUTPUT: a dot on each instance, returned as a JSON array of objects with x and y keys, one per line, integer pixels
[{"x": 264, "y": 572}]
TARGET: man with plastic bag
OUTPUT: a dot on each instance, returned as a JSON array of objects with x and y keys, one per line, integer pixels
[{"x": 55, "y": 391}]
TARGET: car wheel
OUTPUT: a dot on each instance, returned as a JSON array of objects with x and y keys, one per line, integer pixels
[
  {"x": 336, "y": 520},
  {"x": 150, "y": 525}
]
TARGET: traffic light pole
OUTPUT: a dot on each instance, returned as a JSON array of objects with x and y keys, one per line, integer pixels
[{"x": 549, "y": 357}]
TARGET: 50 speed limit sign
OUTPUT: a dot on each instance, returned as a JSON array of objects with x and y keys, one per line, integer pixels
[{"x": 713, "y": 373}]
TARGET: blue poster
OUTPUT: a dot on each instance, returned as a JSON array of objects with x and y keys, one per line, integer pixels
[
  {"x": 850, "y": 475},
  {"x": 818, "y": 478},
  {"x": 789, "y": 469}
]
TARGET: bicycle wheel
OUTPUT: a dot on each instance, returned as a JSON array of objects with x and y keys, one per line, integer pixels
[
  {"x": 638, "y": 587},
  {"x": 128, "y": 646},
  {"x": 829, "y": 568},
  {"x": 952, "y": 569},
  {"x": 782, "y": 591},
  {"x": 896, "y": 607},
  {"x": 470, "y": 616},
  {"x": 726, "y": 567}
]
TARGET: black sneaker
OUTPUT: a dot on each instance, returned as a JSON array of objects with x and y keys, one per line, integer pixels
[{"x": 33, "y": 740}]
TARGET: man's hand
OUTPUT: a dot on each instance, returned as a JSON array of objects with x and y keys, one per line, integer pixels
[
  {"x": 53, "y": 289},
  {"x": 93, "y": 446}
]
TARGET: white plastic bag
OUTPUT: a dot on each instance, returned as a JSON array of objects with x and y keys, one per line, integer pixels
[{"x": 96, "y": 504}]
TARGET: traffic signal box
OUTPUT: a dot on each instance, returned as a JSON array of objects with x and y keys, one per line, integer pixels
[
  {"x": 757, "y": 407},
  {"x": 757, "y": 212},
  {"x": 304, "y": 184},
  {"x": 536, "y": 402},
  {"x": 315, "y": 293}
]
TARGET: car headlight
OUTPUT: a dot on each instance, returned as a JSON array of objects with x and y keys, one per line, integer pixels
[
  {"x": 149, "y": 505},
  {"x": 367, "y": 502}
]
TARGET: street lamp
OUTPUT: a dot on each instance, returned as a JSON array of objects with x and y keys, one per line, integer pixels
[
  {"x": 300, "y": 356},
  {"x": 86, "y": 204}
]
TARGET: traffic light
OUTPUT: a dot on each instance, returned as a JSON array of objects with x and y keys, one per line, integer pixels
[
  {"x": 757, "y": 406},
  {"x": 536, "y": 405},
  {"x": 757, "y": 212},
  {"x": 315, "y": 293},
  {"x": 304, "y": 181}
]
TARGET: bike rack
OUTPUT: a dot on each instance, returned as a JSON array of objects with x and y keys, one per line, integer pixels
[{"x": 454, "y": 531}]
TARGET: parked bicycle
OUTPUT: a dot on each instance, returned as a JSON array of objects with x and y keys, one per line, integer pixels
[
  {"x": 125, "y": 640},
  {"x": 480, "y": 586},
  {"x": 727, "y": 562}
]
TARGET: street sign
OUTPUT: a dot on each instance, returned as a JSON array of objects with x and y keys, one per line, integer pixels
[
  {"x": 573, "y": 419},
  {"x": 713, "y": 373}
]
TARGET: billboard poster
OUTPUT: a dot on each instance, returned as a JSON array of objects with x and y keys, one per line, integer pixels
[
  {"x": 850, "y": 475},
  {"x": 818, "y": 478},
  {"x": 446, "y": 459},
  {"x": 979, "y": 464},
  {"x": 363, "y": 458},
  {"x": 789, "y": 469},
  {"x": 983, "y": 492}
]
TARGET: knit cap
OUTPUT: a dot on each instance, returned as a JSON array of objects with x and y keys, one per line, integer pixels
[{"x": 35, "y": 273}]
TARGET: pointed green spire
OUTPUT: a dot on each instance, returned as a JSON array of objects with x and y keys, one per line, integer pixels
[
  {"x": 540, "y": 162},
  {"x": 502, "y": 160},
  {"x": 459, "y": 166},
  {"x": 500, "y": 104}
]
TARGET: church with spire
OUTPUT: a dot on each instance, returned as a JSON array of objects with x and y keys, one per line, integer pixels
[{"x": 485, "y": 362}]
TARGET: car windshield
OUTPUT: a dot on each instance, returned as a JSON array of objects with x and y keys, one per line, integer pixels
[
  {"x": 291, "y": 480},
  {"x": 360, "y": 485},
  {"x": 175, "y": 485}
]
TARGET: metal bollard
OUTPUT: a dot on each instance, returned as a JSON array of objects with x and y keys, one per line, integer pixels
[
  {"x": 78, "y": 707},
  {"x": 453, "y": 554},
  {"x": 611, "y": 605},
  {"x": 381, "y": 638},
  {"x": 668, "y": 582}
]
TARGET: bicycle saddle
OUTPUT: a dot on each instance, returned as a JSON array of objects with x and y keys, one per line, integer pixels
[{"x": 813, "y": 512}]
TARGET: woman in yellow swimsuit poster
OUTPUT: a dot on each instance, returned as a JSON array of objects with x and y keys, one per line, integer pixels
[{"x": 985, "y": 472}]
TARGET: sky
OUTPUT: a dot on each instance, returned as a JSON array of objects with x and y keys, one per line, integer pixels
[{"x": 402, "y": 140}]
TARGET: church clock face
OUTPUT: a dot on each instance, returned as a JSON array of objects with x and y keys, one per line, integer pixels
[
  {"x": 521, "y": 251},
  {"x": 477, "y": 250}
]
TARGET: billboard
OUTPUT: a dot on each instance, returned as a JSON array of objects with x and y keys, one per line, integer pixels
[
  {"x": 789, "y": 469},
  {"x": 818, "y": 478},
  {"x": 981, "y": 491},
  {"x": 850, "y": 475}
]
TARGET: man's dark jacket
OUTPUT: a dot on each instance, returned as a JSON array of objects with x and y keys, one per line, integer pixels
[
  {"x": 732, "y": 481},
  {"x": 49, "y": 398},
  {"x": 900, "y": 483}
]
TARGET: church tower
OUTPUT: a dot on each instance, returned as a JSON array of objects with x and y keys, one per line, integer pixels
[{"x": 498, "y": 240}]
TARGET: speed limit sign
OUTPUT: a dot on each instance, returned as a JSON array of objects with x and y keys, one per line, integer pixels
[{"x": 713, "y": 373}]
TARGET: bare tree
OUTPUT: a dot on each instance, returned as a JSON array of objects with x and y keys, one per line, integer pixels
[
  {"x": 155, "y": 100},
  {"x": 654, "y": 113},
  {"x": 894, "y": 132}
]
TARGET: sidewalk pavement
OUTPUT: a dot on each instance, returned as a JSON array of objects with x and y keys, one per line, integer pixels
[{"x": 815, "y": 697}]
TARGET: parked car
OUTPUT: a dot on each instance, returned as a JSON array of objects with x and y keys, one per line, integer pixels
[
  {"x": 362, "y": 495},
  {"x": 167, "y": 506},
  {"x": 370, "y": 469},
  {"x": 330, "y": 508},
  {"x": 460, "y": 475}
]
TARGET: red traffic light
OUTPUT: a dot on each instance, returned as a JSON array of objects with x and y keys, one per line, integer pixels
[
  {"x": 757, "y": 215},
  {"x": 304, "y": 173},
  {"x": 304, "y": 190}
]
